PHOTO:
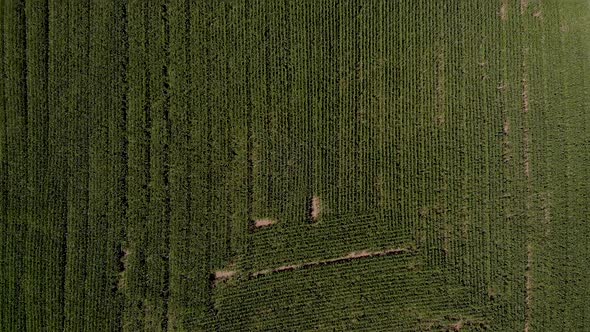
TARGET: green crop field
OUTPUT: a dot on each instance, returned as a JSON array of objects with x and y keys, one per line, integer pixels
[{"x": 295, "y": 165}]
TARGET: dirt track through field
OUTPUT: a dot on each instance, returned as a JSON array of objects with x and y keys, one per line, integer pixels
[{"x": 349, "y": 257}]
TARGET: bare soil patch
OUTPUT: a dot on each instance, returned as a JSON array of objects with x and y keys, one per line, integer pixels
[
  {"x": 457, "y": 326},
  {"x": 358, "y": 254},
  {"x": 506, "y": 126},
  {"x": 222, "y": 276},
  {"x": 122, "y": 280},
  {"x": 316, "y": 208},
  {"x": 260, "y": 223},
  {"x": 504, "y": 10}
]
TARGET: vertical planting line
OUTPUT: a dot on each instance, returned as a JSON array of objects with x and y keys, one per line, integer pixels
[
  {"x": 78, "y": 163},
  {"x": 36, "y": 58},
  {"x": 358, "y": 67},
  {"x": 147, "y": 129},
  {"x": 268, "y": 153},
  {"x": 505, "y": 153},
  {"x": 487, "y": 51},
  {"x": 26, "y": 163},
  {"x": 104, "y": 174},
  {"x": 249, "y": 124},
  {"x": 341, "y": 104},
  {"x": 525, "y": 108},
  {"x": 228, "y": 151},
  {"x": 65, "y": 184},
  {"x": 97, "y": 185},
  {"x": 289, "y": 91},
  {"x": 310, "y": 125},
  {"x": 3, "y": 174},
  {"x": 147, "y": 125},
  {"x": 217, "y": 142},
  {"x": 198, "y": 100},
  {"x": 179, "y": 168},
  {"x": 121, "y": 150},
  {"x": 147, "y": 107},
  {"x": 237, "y": 130},
  {"x": 189, "y": 164},
  {"x": 157, "y": 223},
  {"x": 166, "y": 161},
  {"x": 384, "y": 181},
  {"x": 20, "y": 184},
  {"x": 209, "y": 220},
  {"x": 138, "y": 163},
  {"x": 25, "y": 76},
  {"x": 58, "y": 176},
  {"x": 4, "y": 267},
  {"x": 337, "y": 109},
  {"x": 575, "y": 96}
]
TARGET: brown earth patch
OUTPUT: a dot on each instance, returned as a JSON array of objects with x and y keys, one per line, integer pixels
[
  {"x": 504, "y": 10},
  {"x": 538, "y": 14},
  {"x": 506, "y": 127},
  {"x": 316, "y": 208},
  {"x": 457, "y": 326},
  {"x": 358, "y": 254},
  {"x": 222, "y": 276},
  {"x": 260, "y": 223},
  {"x": 122, "y": 280}
]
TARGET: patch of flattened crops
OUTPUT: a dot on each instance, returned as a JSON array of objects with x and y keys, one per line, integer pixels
[{"x": 294, "y": 165}]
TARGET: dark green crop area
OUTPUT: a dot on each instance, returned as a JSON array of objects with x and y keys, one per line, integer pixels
[{"x": 295, "y": 165}]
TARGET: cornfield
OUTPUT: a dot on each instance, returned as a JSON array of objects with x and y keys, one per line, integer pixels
[{"x": 295, "y": 165}]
